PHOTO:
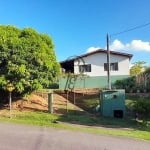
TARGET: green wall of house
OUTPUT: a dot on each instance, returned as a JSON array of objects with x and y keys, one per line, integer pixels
[{"x": 87, "y": 82}]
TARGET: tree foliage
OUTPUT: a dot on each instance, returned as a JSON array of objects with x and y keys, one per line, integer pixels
[
  {"x": 27, "y": 59},
  {"x": 147, "y": 70},
  {"x": 138, "y": 83},
  {"x": 137, "y": 68}
]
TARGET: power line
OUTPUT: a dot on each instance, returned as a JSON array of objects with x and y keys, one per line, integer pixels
[{"x": 131, "y": 29}]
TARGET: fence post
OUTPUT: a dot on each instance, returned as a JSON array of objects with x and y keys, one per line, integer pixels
[{"x": 50, "y": 102}]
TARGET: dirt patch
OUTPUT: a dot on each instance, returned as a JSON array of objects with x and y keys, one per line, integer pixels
[
  {"x": 39, "y": 102},
  {"x": 32, "y": 103}
]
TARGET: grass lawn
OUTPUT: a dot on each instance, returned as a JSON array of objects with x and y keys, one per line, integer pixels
[{"x": 84, "y": 123}]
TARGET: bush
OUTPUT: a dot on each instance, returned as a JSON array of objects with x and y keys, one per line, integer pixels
[
  {"x": 54, "y": 86},
  {"x": 127, "y": 84},
  {"x": 142, "y": 107}
]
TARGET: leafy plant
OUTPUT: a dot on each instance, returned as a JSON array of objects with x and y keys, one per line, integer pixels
[
  {"x": 127, "y": 84},
  {"x": 137, "y": 68},
  {"x": 142, "y": 108},
  {"x": 27, "y": 59}
]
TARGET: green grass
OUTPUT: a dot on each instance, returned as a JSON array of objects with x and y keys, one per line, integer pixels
[
  {"x": 32, "y": 118},
  {"x": 91, "y": 103},
  {"x": 97, "y": 125}
]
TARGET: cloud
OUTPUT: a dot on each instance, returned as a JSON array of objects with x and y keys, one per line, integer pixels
[
  {"x": 91, "y": 49},
  {"x": 117, "y": 45},
  {"x": 140, "y": 45},
  {"x": 137, "y": 45}
]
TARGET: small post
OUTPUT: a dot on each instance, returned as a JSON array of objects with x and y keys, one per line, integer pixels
[
  {"x": 10, "y": 88},
  {"x": 74, "y": 98},
  {"x": 10, "y": 100},
  {"x": 50, "y": 102},
  {"x": 67, "y": 101}
]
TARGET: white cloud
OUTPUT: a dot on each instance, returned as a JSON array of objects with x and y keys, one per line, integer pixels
[
  {"x": 140, "y": 45},
  {"x": 117, "y": 45},
  {"x": 91, "y": 49},
  {"x": 137, "y": 45}
]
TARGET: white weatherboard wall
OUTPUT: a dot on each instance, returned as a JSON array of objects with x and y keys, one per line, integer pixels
[{"x": 97, "y": 64}]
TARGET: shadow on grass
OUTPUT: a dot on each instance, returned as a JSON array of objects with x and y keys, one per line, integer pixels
[{"x": 80, "y": 118}]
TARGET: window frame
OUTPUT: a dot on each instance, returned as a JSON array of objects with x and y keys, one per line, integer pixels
[
  {"x": 85, "y": 68},
  {"x": 113, "y": 66}
]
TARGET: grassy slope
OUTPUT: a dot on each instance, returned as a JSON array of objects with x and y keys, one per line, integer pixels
[{"x": 93, "y": 124}]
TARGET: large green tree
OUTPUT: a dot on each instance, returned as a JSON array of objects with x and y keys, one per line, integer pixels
[
  {"x": 27, "y": 59},
  {"x": 137, "y": 68}
]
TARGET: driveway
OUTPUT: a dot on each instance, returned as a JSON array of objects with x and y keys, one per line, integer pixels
[{"x": 22, "y": 137}]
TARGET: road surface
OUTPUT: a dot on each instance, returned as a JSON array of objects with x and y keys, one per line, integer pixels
[{"x": 22, "y": 137}]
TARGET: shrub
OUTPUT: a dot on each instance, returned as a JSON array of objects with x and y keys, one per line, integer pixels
[
  {"x": 142, "y": 107},
  {"x": 54, "y": 86},
  {"x": 127, "y": 84}
]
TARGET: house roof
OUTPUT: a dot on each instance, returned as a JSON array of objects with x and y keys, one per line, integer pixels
[{"x": 98, "y": 51}]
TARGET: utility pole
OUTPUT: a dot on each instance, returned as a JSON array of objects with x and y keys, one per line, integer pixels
[{"x": 108, "y": 63}]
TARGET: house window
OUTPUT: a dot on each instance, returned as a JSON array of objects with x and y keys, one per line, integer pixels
[
  {"x": 85, "y": 68},
  {"x": 113, "y": 66}
]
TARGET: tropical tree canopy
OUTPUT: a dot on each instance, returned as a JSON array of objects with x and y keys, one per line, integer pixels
[{"x": 27, "y": 59}]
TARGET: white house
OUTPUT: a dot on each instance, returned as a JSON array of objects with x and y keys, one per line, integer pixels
[
  {"x": 94, "y": 66},
  {"x": 95, "y": 63}
]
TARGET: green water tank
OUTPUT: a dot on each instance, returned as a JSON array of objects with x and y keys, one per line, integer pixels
[{"x": 113, "y": 103}]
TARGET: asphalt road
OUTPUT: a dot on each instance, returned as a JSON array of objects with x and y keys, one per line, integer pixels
[{"x": 21, "y": 137}]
